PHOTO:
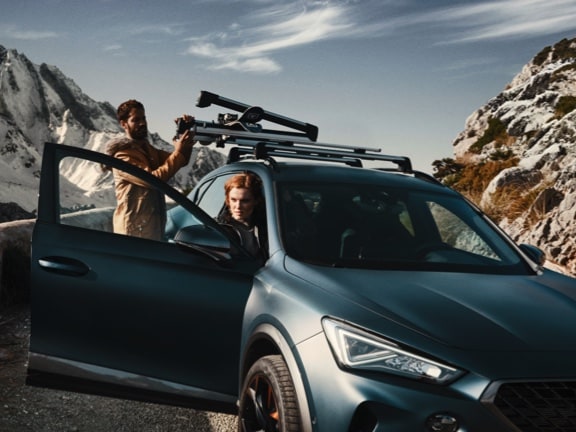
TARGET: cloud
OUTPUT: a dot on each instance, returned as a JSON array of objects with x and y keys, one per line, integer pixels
[
  {"x": 157, "y": 29},
  {"x": 115, "y": 50},
  {"x": 13, "y": 32},
  {"x": 258, "y": 65},
  {"x": 466, "y": 64},
  {"x": 115, "y": 47},
  {"x": 506, "y": 19},
  {"x": 248, "y": 47},
  {"x": 251, "y": 42}
]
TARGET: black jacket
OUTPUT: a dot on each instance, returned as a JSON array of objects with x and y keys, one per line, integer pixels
[{"x": 252, "y": 237}]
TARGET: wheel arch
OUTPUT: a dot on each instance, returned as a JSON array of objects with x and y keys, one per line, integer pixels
[{"x": 268, "y": 340}]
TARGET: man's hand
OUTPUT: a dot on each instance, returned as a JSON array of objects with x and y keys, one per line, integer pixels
[
  {"x": 183, "y": 123},
  {"x": 185, "y": 141}
]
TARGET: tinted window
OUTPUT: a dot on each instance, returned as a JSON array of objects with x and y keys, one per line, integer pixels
[
  {"x": 87, "y": 197},
  {"x": 211, "y": 198},
  {"x": 80, "y": 204},
  {"x": 375, "y": 226}
]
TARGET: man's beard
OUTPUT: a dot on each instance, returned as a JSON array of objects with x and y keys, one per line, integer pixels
[{"x": 140, "y": 133}]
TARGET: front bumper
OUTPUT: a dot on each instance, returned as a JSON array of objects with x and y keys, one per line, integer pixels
[{"x": 351, "y": 401}]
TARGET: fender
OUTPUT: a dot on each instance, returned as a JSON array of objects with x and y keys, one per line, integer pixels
[{"x": 272, "y": 334}]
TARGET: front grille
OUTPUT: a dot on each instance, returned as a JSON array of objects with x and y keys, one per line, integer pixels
[{"x": 539, "y": 406}]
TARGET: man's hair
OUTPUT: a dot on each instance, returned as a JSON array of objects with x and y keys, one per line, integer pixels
[{"x": 124, "y": 109}]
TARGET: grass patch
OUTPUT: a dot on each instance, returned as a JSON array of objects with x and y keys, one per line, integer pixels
[
  {"x": 565, "y": 105},
  {"x": 496, "y": 132},
  {"x": 474, "y": 179}
]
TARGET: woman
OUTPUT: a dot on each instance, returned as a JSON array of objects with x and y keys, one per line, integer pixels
[{"x": 244, "y": 212}]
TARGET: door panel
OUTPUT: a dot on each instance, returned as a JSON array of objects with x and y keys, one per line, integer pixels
[{"x": 141, "y": 306}]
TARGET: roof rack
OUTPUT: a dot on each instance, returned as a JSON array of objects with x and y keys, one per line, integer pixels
[
  {"x": 205, "y": 99},
  {"x": 348, "y": 155},
  {"x": 250, "y": 140}
]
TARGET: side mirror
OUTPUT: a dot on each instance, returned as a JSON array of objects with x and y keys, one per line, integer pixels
[
  {"x": 205, "y": 240},
  {"x": 534, "y": 253}
]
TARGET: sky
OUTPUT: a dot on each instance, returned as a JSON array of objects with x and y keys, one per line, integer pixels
[{"x": 398, "y": 75}]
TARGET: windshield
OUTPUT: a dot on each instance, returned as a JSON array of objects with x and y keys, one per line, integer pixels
[{"x": 374, "y": 226}]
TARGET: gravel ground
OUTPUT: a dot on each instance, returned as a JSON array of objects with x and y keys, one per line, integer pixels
[{"x": 31, "y": 409}]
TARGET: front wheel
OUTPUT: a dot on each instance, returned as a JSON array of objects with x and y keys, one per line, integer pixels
[{"x": 268, "y": 401}]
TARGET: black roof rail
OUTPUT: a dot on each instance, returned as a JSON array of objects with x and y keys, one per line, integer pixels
[
  {"x": 264, "y": 152},
  {"x": 250, "y": 140},
  {"x": 348, "y": 155}
]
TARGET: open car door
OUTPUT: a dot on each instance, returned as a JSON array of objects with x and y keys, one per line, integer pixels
[{"x": 124, "y": 316}]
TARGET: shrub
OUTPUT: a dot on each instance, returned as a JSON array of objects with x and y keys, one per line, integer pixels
[
  {"x": 474, "y": 179},
  {"x": 447, "y": 170},
  {"x": 541, "y": 57},
  {"x": 564, "y": 50},
  {"x": 510, "y": 201},
  {"x": 561, "y": 51},
  {"x": 565, "y": 105},
  {"x": 496, "y": 131},
  {"x": 563, "y": 73},
  {"x": 501, "y": 155},
  {"x": 514, "y": 201}
]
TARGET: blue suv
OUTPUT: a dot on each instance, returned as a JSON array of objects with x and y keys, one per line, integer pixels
[{"x": 387, "y": 302}]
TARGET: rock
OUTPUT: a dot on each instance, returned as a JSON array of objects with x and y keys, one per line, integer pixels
[
  {"x": 6, "y": 355},
  {"x": 531, "y": 125},
  {"x": 15, "y": 261},
  {"x": 12, "y": 211}
]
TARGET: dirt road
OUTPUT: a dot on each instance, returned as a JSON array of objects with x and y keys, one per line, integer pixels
[{"x": 29, "y": 409}]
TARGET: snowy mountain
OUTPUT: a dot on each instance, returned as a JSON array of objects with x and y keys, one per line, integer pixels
[
  {"x": 516, "y": 157},
  {"x": 38, "y": 103}
]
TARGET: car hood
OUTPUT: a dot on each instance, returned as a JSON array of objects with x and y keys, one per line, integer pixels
[{"x": 467, "y": 311}]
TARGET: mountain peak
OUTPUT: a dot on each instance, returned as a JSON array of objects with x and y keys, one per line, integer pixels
[{"x": 38, "y": 103}]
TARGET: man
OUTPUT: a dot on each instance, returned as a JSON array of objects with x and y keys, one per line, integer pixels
[{"x": 141, "y": 209}]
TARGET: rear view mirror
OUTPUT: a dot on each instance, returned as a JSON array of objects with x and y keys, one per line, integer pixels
[{"x": 534, "y": 253}]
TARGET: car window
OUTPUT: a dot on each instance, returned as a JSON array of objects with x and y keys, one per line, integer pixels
[
  {"x": 80, "y": 205},
  {"x": 360, "y": 225},
  {"x": 87, "y": 199},
  {"x": 458, "y": 234},
  {"x": 211, "y": 197}
]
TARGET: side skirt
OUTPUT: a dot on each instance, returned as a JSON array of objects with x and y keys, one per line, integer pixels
[{"x": 69, "y": 375}]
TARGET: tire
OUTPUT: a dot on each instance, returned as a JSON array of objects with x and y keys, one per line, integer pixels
[{"x": 268, "y": 401}]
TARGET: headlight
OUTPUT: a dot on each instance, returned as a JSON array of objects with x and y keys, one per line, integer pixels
[{"x": 355, "y": 348}]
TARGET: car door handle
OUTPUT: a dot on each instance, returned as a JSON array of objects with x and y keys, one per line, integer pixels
[{"x": 64, "y": 265}]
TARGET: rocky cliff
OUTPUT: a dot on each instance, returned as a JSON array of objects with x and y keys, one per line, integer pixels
[{"x": 516, "y": 157}]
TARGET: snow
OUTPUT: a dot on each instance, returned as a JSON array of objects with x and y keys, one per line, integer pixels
[{"x": 41, "y": 104}]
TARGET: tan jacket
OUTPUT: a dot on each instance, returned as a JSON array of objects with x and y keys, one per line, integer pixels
[{"x": 140, "y": 209}]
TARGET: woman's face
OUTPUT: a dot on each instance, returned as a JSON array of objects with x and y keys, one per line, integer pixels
[{"x": 241, "y": 203}]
